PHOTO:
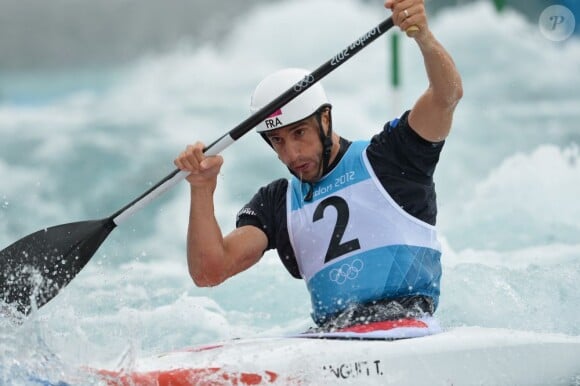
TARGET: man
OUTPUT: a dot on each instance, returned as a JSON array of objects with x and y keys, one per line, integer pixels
[{"x": 357, "y": 219}]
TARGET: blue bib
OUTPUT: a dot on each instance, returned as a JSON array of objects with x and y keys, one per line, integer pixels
[{"x": 354, "y": 244}]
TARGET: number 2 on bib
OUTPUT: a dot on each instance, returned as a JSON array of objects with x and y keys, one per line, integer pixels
[{"x": 336, "y": 247}]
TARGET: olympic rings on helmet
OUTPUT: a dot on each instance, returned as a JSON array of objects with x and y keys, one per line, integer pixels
[{"x": 304, "y": 82}]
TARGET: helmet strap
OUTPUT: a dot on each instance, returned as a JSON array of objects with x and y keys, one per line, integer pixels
[{"x": 325, "y": 139}]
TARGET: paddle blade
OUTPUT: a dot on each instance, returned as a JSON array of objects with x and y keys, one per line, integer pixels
[{"x": 38, "y": 266}]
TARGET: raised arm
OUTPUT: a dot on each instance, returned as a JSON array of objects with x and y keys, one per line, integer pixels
[
  {"x": 211, "y": 257},
  {"x": 431, "y": 116}
]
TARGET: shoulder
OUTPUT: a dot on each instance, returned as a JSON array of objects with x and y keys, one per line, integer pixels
[
  {"x": 399, "y": 132},
  {"x": 399, "y": 148},
  {"x": 266, "y": 210},
  {"x": 265, "y": 197},
  {"x": 274, "y": 189}
]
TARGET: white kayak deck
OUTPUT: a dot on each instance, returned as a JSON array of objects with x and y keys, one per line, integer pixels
[{"x": 461, "y": 356}]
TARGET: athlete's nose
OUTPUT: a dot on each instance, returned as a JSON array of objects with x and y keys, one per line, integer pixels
[{"x": 293, "y": 151}]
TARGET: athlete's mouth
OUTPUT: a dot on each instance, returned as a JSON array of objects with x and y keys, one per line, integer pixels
[{"x": 301, "y": 167}]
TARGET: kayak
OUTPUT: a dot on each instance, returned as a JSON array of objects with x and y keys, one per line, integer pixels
[{"x": 459, "y": 356}]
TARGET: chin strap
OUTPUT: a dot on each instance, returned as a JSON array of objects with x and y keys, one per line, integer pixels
[{"x": 326, "y": 142}]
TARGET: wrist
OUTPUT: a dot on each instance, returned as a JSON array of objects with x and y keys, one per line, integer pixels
[
  {"x": 426, "y": 40},
  {"x": 202, "y": 191}
]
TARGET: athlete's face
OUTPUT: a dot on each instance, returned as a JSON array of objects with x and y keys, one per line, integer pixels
[{"x": 298, "y": 146}]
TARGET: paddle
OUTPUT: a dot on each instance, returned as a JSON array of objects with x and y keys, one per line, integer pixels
[{"x": 34, "y": 269}]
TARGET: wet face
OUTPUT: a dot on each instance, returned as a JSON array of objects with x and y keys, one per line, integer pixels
[{"x": 298, "y": 146}]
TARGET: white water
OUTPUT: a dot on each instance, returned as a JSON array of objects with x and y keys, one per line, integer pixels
[{"x": 508, "y": 181}]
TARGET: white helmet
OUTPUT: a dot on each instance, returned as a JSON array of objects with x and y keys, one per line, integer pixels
[{"x": 303, "y": 106}]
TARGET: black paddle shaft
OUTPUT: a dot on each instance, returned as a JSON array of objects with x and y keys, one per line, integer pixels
[{"x": 34, "y": 269}]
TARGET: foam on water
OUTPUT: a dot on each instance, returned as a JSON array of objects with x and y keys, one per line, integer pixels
[{"x": 508, "y": 182}]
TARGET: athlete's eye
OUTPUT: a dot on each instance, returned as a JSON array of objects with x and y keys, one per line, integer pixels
[{"x": 275, "y": 140}]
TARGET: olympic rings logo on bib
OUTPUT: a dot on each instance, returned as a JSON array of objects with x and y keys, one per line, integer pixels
[{"x": 346, "y": 271}]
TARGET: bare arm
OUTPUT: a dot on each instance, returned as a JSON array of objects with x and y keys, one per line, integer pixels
[
  {"x": 432, "y": 114},
  {"x": 211, "y": 257}
]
